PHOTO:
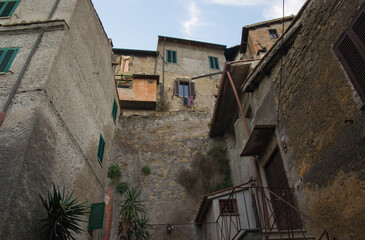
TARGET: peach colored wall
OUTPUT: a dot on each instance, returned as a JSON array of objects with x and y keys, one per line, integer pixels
[{"x": 142, "y": 90}]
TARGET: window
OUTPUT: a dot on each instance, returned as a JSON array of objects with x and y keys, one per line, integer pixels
[
  {"x": 228, "y": 207},
  {"x": 7, "y": 56},
  {"x": 96, "y": 217},
  {"x": 101, "y": 148},
  {"x": 273, "y": 34},
  {"x": 184, "y": 88},
  {"x": 7, "y": 8},
  {"x": 115, "y": 110},
  {"x": 171, "y": 56},
  {"x": 350, "y": 50},
  {"x": 213, "y": 62}
]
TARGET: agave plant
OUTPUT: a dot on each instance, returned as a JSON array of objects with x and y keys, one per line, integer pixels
[
  {"x": 130, "y": 210},
  {"x": 140, "y": 228},
  {"x": 64, "y": 215}
]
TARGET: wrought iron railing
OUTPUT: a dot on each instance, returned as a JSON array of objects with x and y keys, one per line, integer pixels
[{"x": 270, "y": 212}]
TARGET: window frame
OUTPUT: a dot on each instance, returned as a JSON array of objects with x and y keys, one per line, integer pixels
[
  {"x": 101, "y": 149},
  {"x": 171, "y": 56},
  {"x": 115, "y": 110},
  {"x": 10, "y": 62},
  {"x": 232, "y": 207},
  {"x": 214, "y": 62},
  {"x": 273, "y": 33},
  {"x": 191, "y": 88},
  {"x": 350, "y": 36},
  {"x": 13, "y": 9}
]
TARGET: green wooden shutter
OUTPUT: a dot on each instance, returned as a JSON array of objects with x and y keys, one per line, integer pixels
[
  {"x": 7, "y": 56},
  {"x": 211, "y": 62},
  {"x": 216, "y": 63},
  {"x": 96, "y": 218},
  {"x": 168, "y": 54},
  {"x": 115, "y": 110},
  {"x": 101, "y": 148},
  {"x": 7, "y": 8},
  {"x": 174, "y": 57}
]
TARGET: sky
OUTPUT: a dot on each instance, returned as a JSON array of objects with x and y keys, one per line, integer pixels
[{"x": 136, "y": 24}]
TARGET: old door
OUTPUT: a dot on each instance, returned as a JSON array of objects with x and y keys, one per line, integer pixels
[{"x": 286, "y": 217}]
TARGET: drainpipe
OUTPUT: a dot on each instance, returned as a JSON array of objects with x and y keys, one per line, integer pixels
[
  {"x": 163, "y": 72},
  {"x": 17, "y": 83}
]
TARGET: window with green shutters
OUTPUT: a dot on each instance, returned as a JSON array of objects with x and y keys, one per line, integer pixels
[
  {"x": 171, "y": 56},
  {"x": 101, "y": 148},
  {"x": 213, "y": 62},
  {"x": 96, "y": 218},
  {"x": 7, "y": 56},
  {"x": 7, "y": 8},
  {"x": 115, "y": 110}
]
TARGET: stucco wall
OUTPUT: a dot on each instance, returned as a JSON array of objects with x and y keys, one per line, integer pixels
[
  {"x": 53, "y": 124},
  {"x": 320, "y": 133},
  {"x": 142, "y": 90},
  {"x": 317, "y": 99}
]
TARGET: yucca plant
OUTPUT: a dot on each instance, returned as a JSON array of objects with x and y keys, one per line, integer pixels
[
  {"x": 130, "y": 210},
  {"x": 64, "y": 215},
  {"x": 140, "y": 228}
]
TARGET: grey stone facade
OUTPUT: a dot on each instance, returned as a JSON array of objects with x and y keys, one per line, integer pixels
[{"x": 64, "y": 102}]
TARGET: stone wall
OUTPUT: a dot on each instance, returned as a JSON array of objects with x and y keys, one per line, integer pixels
[
  {"x": 166, "y": 142},
  {"x": 321, "y": 120},
  {"x": 192, "y": 61}
]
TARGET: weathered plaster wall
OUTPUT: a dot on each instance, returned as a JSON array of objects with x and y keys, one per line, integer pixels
[
  {"x": 32, "y": 11},
  {"x": 261, "y": 36},
  {"x": 166, "y": 142},
  {"x": 192, "y": 61},
  {"x": 317, "y": 99},
  {"x": 137, "y": 64},
  {"x": 53, "y": 124},
  {"x": 321, "y": 123}
]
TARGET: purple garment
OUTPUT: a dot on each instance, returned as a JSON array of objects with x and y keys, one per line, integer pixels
[{"x": 190, "y": 101}]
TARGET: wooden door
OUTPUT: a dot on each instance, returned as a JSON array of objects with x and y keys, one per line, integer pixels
[{"x": 286, "y": 217}]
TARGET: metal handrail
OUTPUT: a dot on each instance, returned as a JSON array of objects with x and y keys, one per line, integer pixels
[{"x": 267, "y": 218}]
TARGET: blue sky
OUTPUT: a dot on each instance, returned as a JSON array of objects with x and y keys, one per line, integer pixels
[{"x": 135, "y": 24}]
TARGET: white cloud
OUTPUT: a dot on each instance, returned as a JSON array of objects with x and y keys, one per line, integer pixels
[
  {"x": 194, "y": 20},
  {"x": 275, "y": 8},
  {"x": 238, "y": 2}
]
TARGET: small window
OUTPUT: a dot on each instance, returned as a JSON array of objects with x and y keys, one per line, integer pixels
[
  {"x": 184, "y": 89},
  {"x": 96, "y": 218},
  {"x": 115, "y": 110},
  {"x": 171, "y": 56},
  {"x": 213, "y": 63},
  {"x": 350, "y": 50},
  {"x": 101, "y": 149},
  {"x": 228, "y": 207},
  {"x": 273, "y": 33},
  {"x": 7, "y": 56},
  {"x": 7, "y": 8}
]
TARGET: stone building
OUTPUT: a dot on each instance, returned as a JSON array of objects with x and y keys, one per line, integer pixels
[
  {"x": 258, "y": 38},
  {"x": 136, "y": 80},
  {"x": 58, "y": 109},
  {"x": 190, "y": 69},
  {"x": 298, "y": 124}
]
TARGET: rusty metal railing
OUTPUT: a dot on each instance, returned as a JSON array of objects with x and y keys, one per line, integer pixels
[{"x": 271, "y": 212}]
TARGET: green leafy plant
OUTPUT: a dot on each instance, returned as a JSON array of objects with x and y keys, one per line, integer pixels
[
  {"x": 114, "y": 172},
  {"x": 146, "y": 170},
  {"x": 122, "y": 187},
  {"x": 140, "y": 228},
  {"x": 64, "y": 214},
  {"x": 131, "y": 208}
]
